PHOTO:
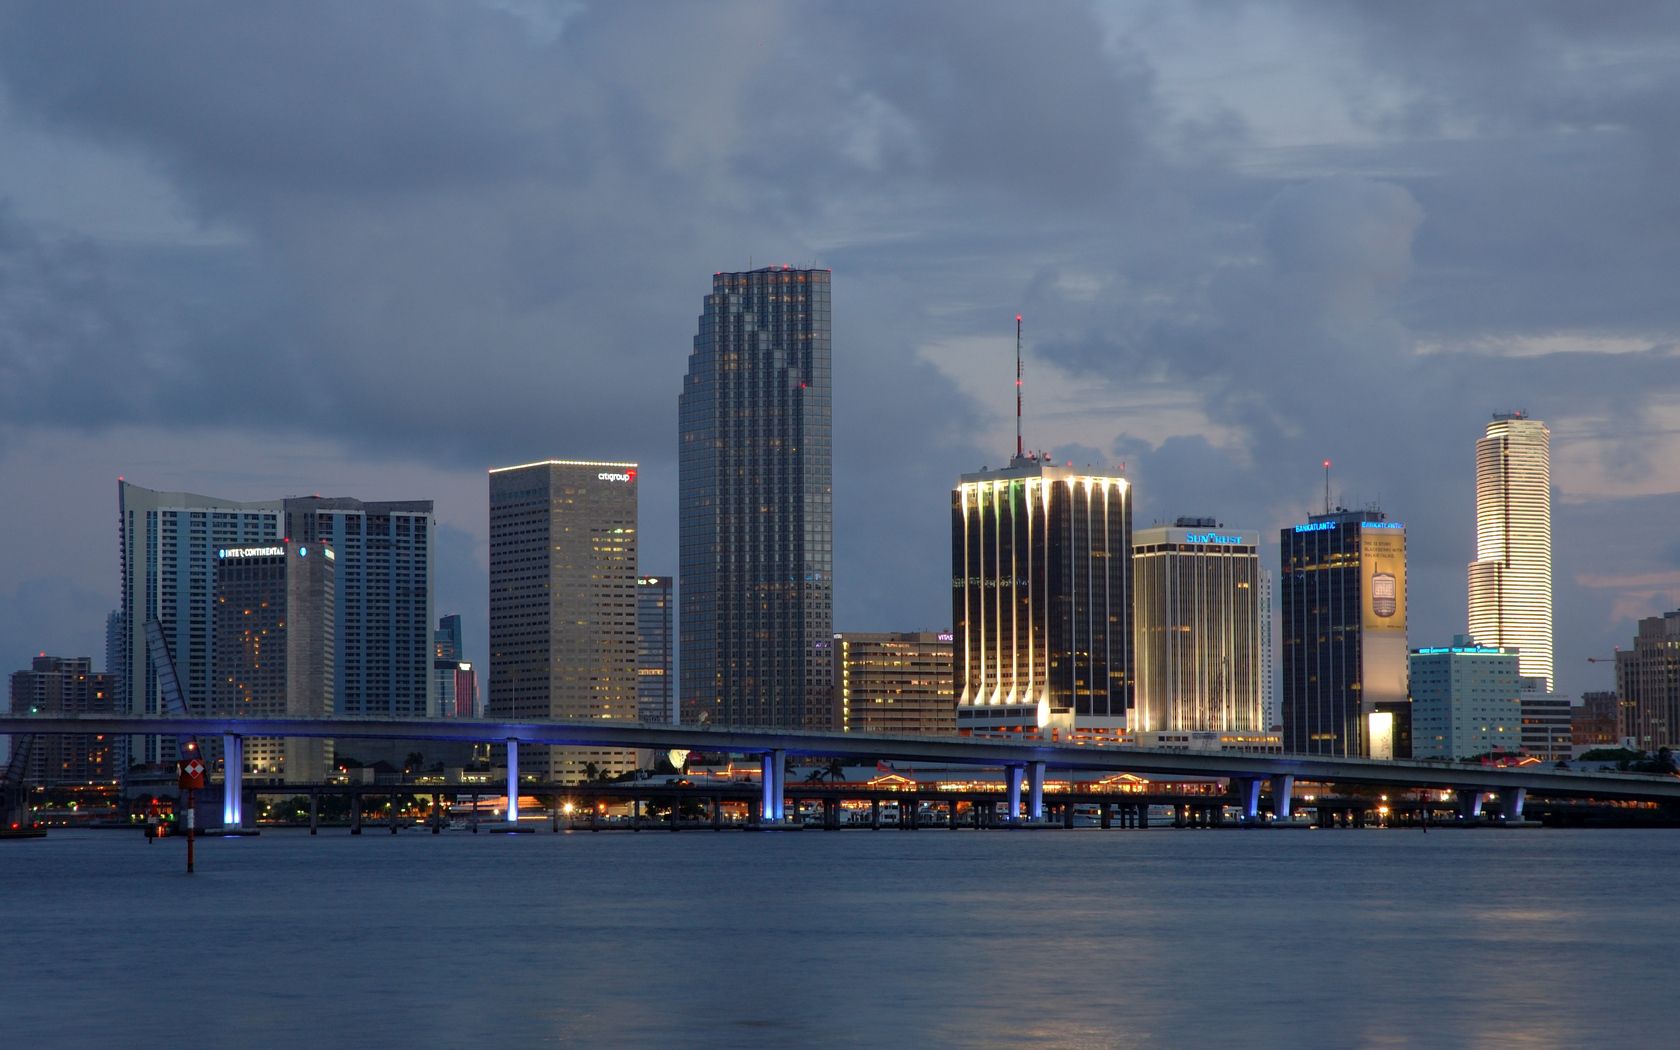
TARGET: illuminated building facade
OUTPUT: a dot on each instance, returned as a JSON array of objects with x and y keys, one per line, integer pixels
[
  {"x": 1648, "y": 681},
  {"x": 67, "y": 685},
  {"x": 655, "y": 684},
  {"x": 563, "y": 604},
  {"x": 276, "y": 651},
  {"x": 1197, "y": 603},
  {"x": 453, "y": 678},
  {"x": 1466, "y": 700},
  {"x": 383, "y": 600},
  {"x": 1511, "y": 578},
  {"x": 1041, "y": 597},
  {"x": 168, "y": 543},
  {"x": 1343, "y": 618},
  {"x": 895, "y": 682},
  {"x": 755, "y": 496}
]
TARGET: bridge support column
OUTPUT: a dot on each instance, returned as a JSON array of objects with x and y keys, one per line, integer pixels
[
  {"x": 1283, "y": 795},
  {"x": 513, "y": 780},
  {"x": 771, "y": 809},
  {"x": 1248, "y": 797},
  {"x": 1035, "y": 792},
  {"x": 1513, "y": 801},
  {"x": 717, "y": 813},
  {"x": 233, "y": 781},
  {"x": 314, "y": 811},
  {"x": 1469, "y": 804},
  {"x": 1067, "y": 813},
  {"x": 355, "y": 813},
  {"x": 875, "y": 814},
  {"x": 1014, "y": 812}
]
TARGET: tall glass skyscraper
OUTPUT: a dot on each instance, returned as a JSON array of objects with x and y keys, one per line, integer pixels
[
  {"x": 655, "y": 689},
  {"x": 1511, "y": 578},
  {"x": 1041, "y": 599},
  {"x": 755, "y": 494}
]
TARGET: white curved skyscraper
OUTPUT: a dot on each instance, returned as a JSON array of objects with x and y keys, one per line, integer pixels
[{"x": 1511, "y": 578}]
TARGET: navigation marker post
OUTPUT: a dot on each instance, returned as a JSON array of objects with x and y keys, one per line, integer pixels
[{"x": 191, "y": 779}]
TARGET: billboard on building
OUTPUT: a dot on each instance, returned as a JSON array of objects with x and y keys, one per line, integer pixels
[{"x": 1382, "y": 579}]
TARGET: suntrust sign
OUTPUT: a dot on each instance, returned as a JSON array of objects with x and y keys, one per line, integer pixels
[
  {"x": 1211, "y": 537},
  {"x": 613, "y": 475}
]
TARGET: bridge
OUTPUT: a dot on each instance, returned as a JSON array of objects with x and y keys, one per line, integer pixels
[{"x": 1024, "y": 762}]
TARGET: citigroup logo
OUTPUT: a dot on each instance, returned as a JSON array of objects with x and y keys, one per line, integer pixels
[{"x": 613, "y": 475}]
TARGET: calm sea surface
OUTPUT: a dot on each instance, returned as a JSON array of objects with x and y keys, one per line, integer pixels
[{"x": 1161, "y": 938}]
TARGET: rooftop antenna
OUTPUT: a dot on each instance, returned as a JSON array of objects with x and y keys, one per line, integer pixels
[
  {"x": 1020, "y": 448},
  {"x": 1326, "y": 486}
]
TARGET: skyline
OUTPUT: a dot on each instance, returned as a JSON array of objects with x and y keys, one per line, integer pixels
[{"x": 1232, "y": 264}]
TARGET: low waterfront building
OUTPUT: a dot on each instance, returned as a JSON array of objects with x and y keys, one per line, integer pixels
[{"x": 1466, "y": 700}]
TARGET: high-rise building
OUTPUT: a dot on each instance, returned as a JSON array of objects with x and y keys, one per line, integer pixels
[
  {"x": 67, "y": 685},
  {"x": 1197, "y": 602},
  {"x": 755, "y": 494},
  {"x": 1545, "y": 724},
  {"x": 1511, "y": 578},
  {"x": 1343, "y": 586},
  {"x": 168, "y": 543},
  {"x": 1648, "y": 681},
  {"x": 563, "y": 604},
  {"x": 275, "y": 651},
  {"x": 889, "y": 682},
  {"x": 447, "y": 666},
  {"x": 1268, "y": 651},
  {"x": 383, "y": 600},
  {"x": 656, "y": 699},
  {"x": 1466, "y": 700},
  {"x": 1041, "y": 596}
]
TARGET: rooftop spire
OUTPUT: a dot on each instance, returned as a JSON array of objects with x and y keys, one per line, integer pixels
[{"x": 1020, "y": 447}]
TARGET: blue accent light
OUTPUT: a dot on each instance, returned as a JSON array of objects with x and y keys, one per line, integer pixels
[
  {"x": 303, "y": 552},
  {"x": 1316, "y": 526}
]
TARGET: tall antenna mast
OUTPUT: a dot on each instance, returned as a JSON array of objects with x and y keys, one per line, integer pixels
[
  {"x": 1326, "y": 486},
  {"x": 1020, "y": 446}
]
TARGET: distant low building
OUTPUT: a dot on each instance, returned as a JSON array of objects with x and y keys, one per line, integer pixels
[
  {"x": 1596, "y": 722},
  {"x": 67, "y": 685},
  {"x": 895, "y": 683}
]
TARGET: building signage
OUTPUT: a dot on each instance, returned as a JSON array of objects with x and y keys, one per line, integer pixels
[
  {"x": 250, "y": 552},
  {"x": 613, "y": 475},
  {"x": 1210, "y": 537},
  {"x": 1382, "y": 524},
  {"x": 1316, "y": 526}
]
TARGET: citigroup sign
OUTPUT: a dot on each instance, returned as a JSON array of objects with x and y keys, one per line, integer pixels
[{"x": 626, "y": 476}]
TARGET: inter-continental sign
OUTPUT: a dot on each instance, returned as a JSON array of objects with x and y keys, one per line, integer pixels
[{"x": 250, "y": 552}]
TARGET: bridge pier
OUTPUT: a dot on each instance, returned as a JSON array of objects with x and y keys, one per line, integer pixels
[
  {"x": 772, "y": 763},
  {"x": 1469, "y": 804},
  {"x": 355, "y": 813},
  {"x": 1248, "y": 797},
  {"x": 1035, "y": 792},
  {"x": 314, "y": 812},
  {"x": 1283, "y": 796},
  {"x": 513, "y": 780},
  {"x": 233, "y": 781},
  {"x": 717, "y": 813},
  {"x": 875, "y": 814},
  {"x": 1513, "y": 800},
  {"x": 1014, "y": 811}
]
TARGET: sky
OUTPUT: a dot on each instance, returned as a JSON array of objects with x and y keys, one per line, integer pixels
[{"x": 372, "y": 250}]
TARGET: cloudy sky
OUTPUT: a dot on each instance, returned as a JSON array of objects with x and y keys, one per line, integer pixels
[{"x": 373, "y": 249}]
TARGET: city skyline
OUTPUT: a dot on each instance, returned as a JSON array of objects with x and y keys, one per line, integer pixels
[{"x": 1297, "y": 260}]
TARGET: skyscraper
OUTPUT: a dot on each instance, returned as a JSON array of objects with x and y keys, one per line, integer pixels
[
  {"x": 1197, "y": 596},
  {"x": 382, "y": 600},
  {"x": 563, "y": 603},
  {"x": 275, "y": 650},
  {"x": 1511, "y": 578},
  {"x": 755, "y": 495},
  {"x": 1041, "y": 598},
  {"x": 1648, "y": 681},
  {"x": 1343, "y": 589},
  {"x": 656, "y": 699}
]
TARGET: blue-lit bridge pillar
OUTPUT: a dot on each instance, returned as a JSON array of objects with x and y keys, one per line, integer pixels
[
  {"x": 1469, "y": 804},
  {"x": 1514, "y": 799},
  {"x": 1014, "y": 812},
  {"x": 233, "y": 781},
  {"x": 773, "y": 777},
  {"x": 1283, "y": 795},
  {"x": 1248, "y": 797},
  {"x": 513, "y": 780},
  {"x": 1035, "y": 792}
]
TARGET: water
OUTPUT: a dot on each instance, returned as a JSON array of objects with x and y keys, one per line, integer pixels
[{"x": 1508, "y": 938}]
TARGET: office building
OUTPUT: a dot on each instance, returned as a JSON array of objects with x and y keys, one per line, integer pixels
[
  {"x": 1268, "y": 651},
  {"x": 67, "y": 685},
  {"x": 1466, "y": 701},
  {"x": 1596, "y": 722},
  {"x": 275, "y": 651},
  {"x": 453, "y": 678},
  {"x": 168, "y": 544},
  {"x": 1511, "y": 578},
  {"x": 1041, "y": 595},
  {"x": 1648, "y": 682},
  {"x": 383, "y": 600},
  {"x": 1197, "y": 606},
  {"x": 1343, "y": 619},
  {"x": 563, "y": 604},
  {"x": 755, "y": 496},
  {"x": 656, "y": 693},
  {"x": 1545, "y": 724},
  {"x": 895, "y": 682}
]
